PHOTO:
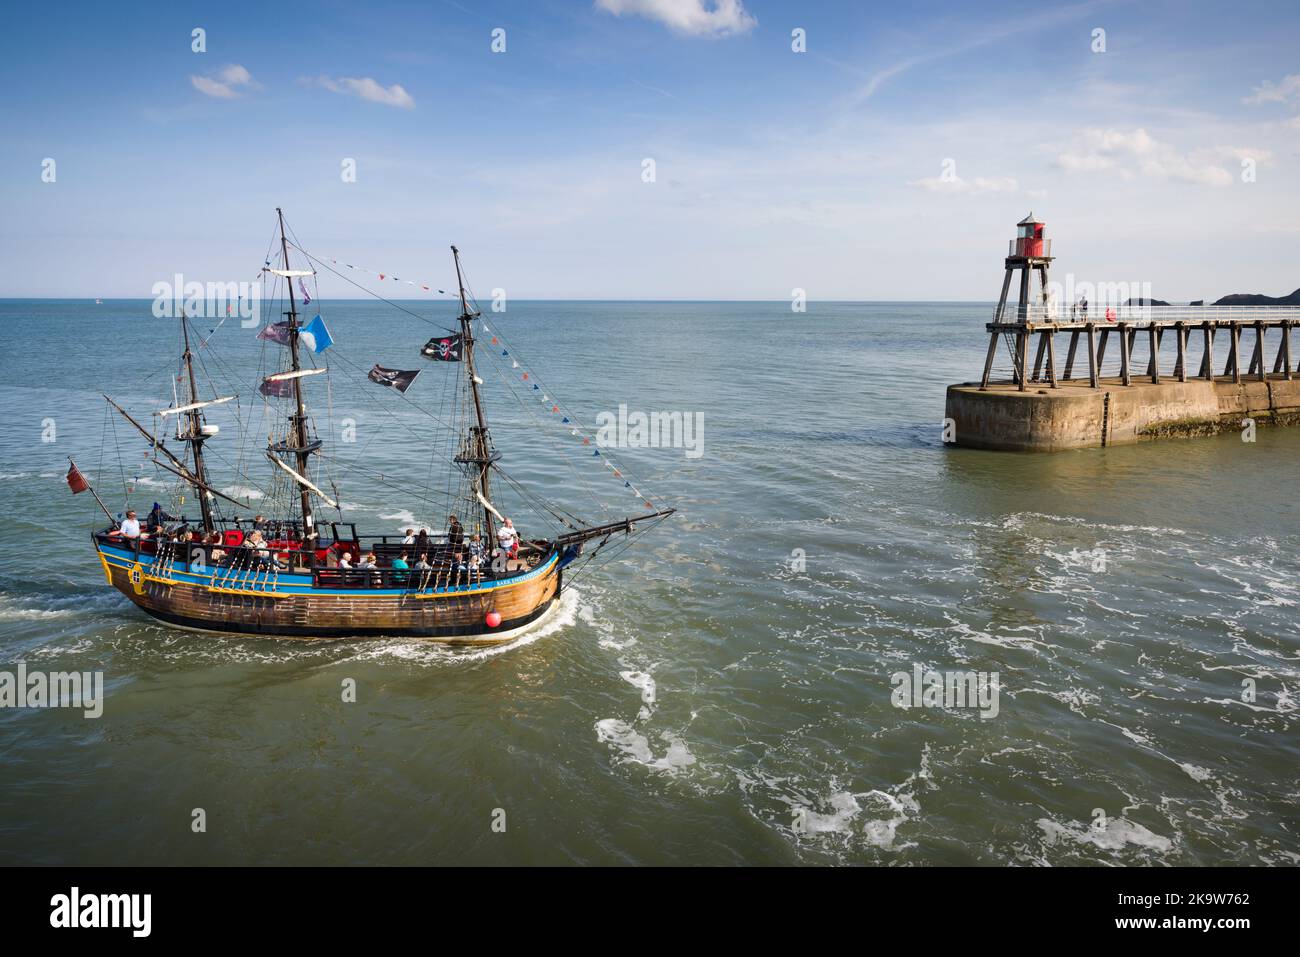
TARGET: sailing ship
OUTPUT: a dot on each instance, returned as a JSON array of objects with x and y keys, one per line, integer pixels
[{"x": 297, "y": 571}]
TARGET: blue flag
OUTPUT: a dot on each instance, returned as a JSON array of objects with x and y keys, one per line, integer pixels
[{"x": 316, "y": 336}]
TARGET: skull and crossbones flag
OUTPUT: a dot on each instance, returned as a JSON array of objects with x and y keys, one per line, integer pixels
[
  {"x": 399, "y": 379},
  {"x": 444, "y": 349}
]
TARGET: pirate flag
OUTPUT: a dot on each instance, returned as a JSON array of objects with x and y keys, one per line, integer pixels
[
  {"x": 446, "y": 349},
  {"x": 399, "y": 379},
  {"x": 276, "y": 332},
  {"x": 276, "y": 388}
]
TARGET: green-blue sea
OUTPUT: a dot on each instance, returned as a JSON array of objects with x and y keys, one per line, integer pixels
[{"x": 722, "y": 692}]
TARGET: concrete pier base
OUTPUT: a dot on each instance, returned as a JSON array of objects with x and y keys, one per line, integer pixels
[{"x": 1076, "y": 416}]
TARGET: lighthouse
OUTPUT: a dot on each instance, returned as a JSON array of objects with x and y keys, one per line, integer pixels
[{"x": 1030, "y": 253}]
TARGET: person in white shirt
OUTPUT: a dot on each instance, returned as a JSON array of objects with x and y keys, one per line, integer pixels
[
  {"x": 508, "y": 537},
  {"x": 130, "y": 527},
  {"x": 410, "y": 537},
  {"x": 346, "y": 560}
]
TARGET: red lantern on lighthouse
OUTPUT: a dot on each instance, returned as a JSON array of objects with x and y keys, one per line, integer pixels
[{"x": 1030, "y": 241}]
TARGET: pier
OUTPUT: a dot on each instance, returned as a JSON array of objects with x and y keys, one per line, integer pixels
[{"x": 1113, "y": 373}]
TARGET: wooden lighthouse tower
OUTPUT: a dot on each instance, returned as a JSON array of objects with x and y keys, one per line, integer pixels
[{"x": 1030, "y": 253}]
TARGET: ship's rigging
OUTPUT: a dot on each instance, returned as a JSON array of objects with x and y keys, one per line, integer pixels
[{"x": 301, "y": 473}]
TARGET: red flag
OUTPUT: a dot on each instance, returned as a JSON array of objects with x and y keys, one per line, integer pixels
[{"x": 76, "y": 481}]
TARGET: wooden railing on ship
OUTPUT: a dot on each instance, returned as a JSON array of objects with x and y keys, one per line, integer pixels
[{"x": 445, "y": 571}]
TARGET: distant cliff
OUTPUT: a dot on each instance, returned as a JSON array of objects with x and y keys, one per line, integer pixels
[{"x": 1258, "y": 299}]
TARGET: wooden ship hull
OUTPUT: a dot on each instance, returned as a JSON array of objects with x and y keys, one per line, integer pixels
[{"x": 290, "y": 605}]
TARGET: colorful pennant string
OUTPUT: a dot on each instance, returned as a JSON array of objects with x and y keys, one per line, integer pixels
[{"x": 553, "y": 408}]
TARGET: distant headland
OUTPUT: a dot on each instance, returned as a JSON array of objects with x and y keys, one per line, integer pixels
[{"x": 1236, "y": 299}]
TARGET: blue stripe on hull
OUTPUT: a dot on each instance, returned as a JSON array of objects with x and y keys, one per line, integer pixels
[{"x": 300, "y": 584}]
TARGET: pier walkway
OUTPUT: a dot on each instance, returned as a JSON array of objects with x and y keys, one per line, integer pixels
[{"x": 1143, "y": 329}]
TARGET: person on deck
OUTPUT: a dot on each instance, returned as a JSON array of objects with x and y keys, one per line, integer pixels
[
  {"x": 455, "y": 534},
  {"x": 423, "y": 564},
  {"x": 154, "y": 523},
  {"x": 400, "y": 568},
  {"x": 130, "y": 527},
  {"x": 410, "y": 537},
  {"x": 476, "y": 549},
  {"x": 261, "y": 553},
  {"x": 508, "y": 538},
  {"x": 373, "y": 564},
  {"x": 422, "y": 543}
]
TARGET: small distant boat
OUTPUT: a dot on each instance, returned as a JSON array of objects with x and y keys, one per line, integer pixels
[
  {"x": 99, "y": 302},
  {"x": 294, "y": 571}
]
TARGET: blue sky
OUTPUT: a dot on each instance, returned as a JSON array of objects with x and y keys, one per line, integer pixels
[{"x": 822, "y": 170}]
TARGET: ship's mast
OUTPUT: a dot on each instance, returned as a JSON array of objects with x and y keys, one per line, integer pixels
[
  {"x": 299, "y": 418},
  {"x": 196, "y": 437},
  {"x": 479, "y": 446}
]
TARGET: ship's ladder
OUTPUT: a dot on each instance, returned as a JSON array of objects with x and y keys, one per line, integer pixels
[
  {"x": 160, "y": 567},
  {"x": 228, "y": 578}
]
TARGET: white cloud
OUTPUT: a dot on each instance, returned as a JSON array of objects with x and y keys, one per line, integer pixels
[
  {"x": 955, "y": 184},
  {"x": 226, "y": 83},
  {"x": 369, "y": 89},
  {"x": 717, "y": 18},
  {"x": 1269, "y": 92},
  {"x": 1128, "y": 154}
]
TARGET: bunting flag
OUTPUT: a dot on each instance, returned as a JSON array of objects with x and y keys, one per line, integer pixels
[
  {"x": 399, "y": 379},
  {"x": 550, "y": 405},
  {"x": 276, "y": 388},
  {"x": 315, "y": 336},
  {"x": 446, "y": 349},
  {"x": 276, "y": 332},
  {"x": 76, "y": 481},
  {"x": 386, "y": 276}
]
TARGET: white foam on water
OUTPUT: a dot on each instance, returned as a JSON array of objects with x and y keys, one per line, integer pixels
[
  {"x": 1194, "y": 772},
  {"x": 633, "y": 747},
  {"x": 1135, "y": 737},
  {"x": 1118, "y": 833},
  {"x": 13, "y": 612},
  {"x": 561, "y": 615},
  {"x": 844, "y": 808},
  {"x": 1018, "y": 519},
  {"x": 405, "y": 517},
  {"x": 966, "y": 633},
  {"x": 79, "y": 647},
  {"x": 643, "y": 681},
  {"x": 875, "y": 815},
  {"x": 1283, "y": 698},
  {"x": 241, "y": 491}
]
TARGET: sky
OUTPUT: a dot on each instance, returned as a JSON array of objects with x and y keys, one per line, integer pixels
[{"x": 889, "y": 160}]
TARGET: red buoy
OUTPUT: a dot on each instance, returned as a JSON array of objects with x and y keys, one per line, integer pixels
[{"x": 493, "y": 619}]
